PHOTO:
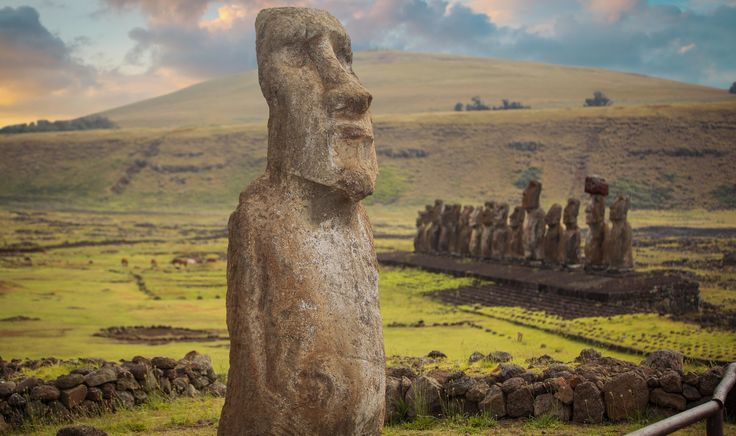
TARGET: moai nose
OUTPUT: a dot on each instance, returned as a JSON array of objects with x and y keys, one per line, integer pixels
[{"x": 350, "y": 99}]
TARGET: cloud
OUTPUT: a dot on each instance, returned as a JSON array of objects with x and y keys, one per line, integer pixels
[{"x": 35, "y": 61}]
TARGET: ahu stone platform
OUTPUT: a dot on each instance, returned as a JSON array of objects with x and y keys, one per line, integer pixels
[{"x": 666, "y": 291}]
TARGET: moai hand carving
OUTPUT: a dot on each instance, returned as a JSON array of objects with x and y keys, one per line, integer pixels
[
  {"x": 500, "y": 232},
  {"x": 516, "y": 233},
  {"x": 534, "y": 226},
  {"x": 486, "y": 236},
  {"x": 306, "y": 346},
  {"x": 570, "y": 244},
  {"x": 475, "y": 232},
  {"x": 595, "y": 218},
  {"x": 463, "y": 238},
  {"x": 618, "y": 247},
  {"x": 553, "y": 235}
]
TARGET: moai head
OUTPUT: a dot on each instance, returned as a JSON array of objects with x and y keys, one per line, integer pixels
[
  {"x": 517, "y": 217},
  {"x": 595, "y": 211},
  {"x": 619, "y": 209},
  {"x": 553, "y": 215},
  {"x": 530, "y": 198},
  {"x": 319, "y": 127},
  {"x": 502, "y": 214},
  {"x": 570, "y": 216}
]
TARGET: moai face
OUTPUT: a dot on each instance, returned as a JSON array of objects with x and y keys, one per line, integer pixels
[
  {"x": 530, "y": 198},
  {"x": 553, "y": 215},
  {"x": 517, "y": 217},
  {"x": 572, "y": 209},
  {"x": 502, "y": 214},
  {"x": 619, "y": 209},
  {"x": 595, "y": 211},
  {"x": 319, "y": 126}
]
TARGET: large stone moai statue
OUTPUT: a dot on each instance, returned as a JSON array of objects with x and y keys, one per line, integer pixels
[
  {"x": 618, "y": 246},
  {"x": 306, "y": 346},
  {"x": 534, "y": 226},
  {"x": 500, "y": 246},
  {"x": 453, "y": 246},
  {"x": 435, "y": 230},
  {"x": 476, "y": 229},
  {"x": 443, "y": 243},
  {"x": 553, "y": 235},
  {"x": 463, "y": 237},
  {"x": 570, "y": 243},
  {"x": 516, "y": 234},
  {"x": 419, "y": 239},
  {"x": 427, "y": 229},
  {"x": 486, "y": 236},
  {"x": 595, "y": 218}
]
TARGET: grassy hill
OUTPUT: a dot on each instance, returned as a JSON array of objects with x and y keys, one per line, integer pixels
[
  {"x": 665, "y": 156},
  {"x": 412, "y": 82}
]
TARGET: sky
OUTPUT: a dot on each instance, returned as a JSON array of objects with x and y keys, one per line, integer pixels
[{"x": 61, "y": 59}]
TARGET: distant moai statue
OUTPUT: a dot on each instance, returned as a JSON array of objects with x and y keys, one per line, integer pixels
[
  {"x": 570, "y": 243},
  {"x": 595, "y": 218},
  {"x": 534, "y": 226},
  {"x": 516, "y": 233},
  {"x": 618, "y": 245},
  {"x": 475, "y": 231},
  {"x": 463, "y": 238},
  {"x": 453, "y": 246},
  {"x": 553, "y": 234},
  {"x": 427, "y": 230},
  {"x": 486, "y": 238},
  {"x": 501, "y": 232},
  {"x": 436, "y": 227},
  {"x": 443, "y": 242},
  {"x": 420, "y": 245},
  {"x": 306, "y": 343}
]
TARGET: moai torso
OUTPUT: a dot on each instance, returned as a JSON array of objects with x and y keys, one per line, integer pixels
[
  {"x": 500, "y": 246},
  {"x": 476, "y": 230},
  {"x": 486, "y": 237},
  {"x": 595, "y": 241},
  {"x": 516, "y": 234},
  {"x": 306, "y": 346},
  {"x": 453, "y": 246},
  {"x": 463, "y": 238},
  {"x": 420, "y": 243},
  {"x": 443, "y": 244},
  {"x": 552, "y": 235},
  {"x": 435, "y": 229},
  {"x": 570, "y": 243},
  {"x": 619, "y": 243},
  {"x": 534, "y": 226}
]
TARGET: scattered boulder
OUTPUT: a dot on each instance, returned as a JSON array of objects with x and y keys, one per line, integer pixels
[
  {"x": 476, "y": 357},
  {"x": 665, "y": 359},
  {"x": 499, "y": 356},
  {"x": 588, "y": 355},
  {"x": 659, "y": 397},
  {"x": 506, "y": 371},
  {"x": 588, "y": 405},
  {"x": 80, "y": 430},
  {"x": 434, "y": 354},
  {"x": 626, "y": 396}
]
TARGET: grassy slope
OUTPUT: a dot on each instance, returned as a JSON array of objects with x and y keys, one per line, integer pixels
[
  {"x": 412, "y": 82},
  {"x": 664, "y": 156}
]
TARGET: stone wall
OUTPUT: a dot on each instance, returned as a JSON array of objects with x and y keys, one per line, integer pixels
[
  {"x": 593, "y": 390},
  {"x": 100, "y": 387}
]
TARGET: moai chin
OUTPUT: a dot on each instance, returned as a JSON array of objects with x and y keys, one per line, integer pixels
[
  {"x": 306, "y": 346},
  {"x": 500, "y": 232},
  {"x": 570, "y": 243},
  {"x": 516, "y": 234},
  {"x": 486, "y": 235},
  {"x": 534, "y": 226},
  {"x": 553, "y": 234},
  {"x": 618, "y": 247}
]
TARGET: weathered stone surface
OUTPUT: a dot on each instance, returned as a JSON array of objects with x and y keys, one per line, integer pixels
[
  {"x": 6, "y": 388},
  {"x": 619, "y": 252},
  {"x": 690, "y": 392},
  {"x": 516, "y": 233},
  {"x": 80, "y": 430},
  {"x": 570, "y": 241},
  {"x": 506, "y": 371},
  {"x": 477, "y": 391},
  {"x": 494, "y": 402},
  {"x": 125, "y": 399},
  {"x": 74, "y": 396},
  {"x": 596, "y": 185},
  {"x": 476, "y": 357},
  {"x": 501, "y": 232},
  {"x": 217, "y": 389},
  {"x": 108, "y": 391},
  {"x": 665, "y": 399},
  {"x": 548, "y": 405},
  {"x": 709, "y": 380},
  {"x": 671, "y": 382},
  {"x": 101, "y": 376},
  {"x": 486, "y": 236},
  {"x": 139, "y": 396},
  {"x": 45, "y": 393},
  {"x": 16, "y": 400},
  {"x": 424, "y": 397},
  {"x": 302, "y": 306},
  {"x": 126, "y": 382},
  {"x": 27, "y": 384},
  {"x": 520, "y": 402},
  {"x": 512, "y": 384},
  {"x": 394, "y": 399},
  {"x": 588, "y": 404},
  {"x": 665, "y": 359},
  {"x": 626, "y": 396},
  {"x": 434, "y": 354},
  {"x": 595, "y": 240},
  {"x": 163, "y": 362},
  {"x": 534, "y": 226},
  {"x": 458, "y": 384},
  {"x": 94, "y": 394},
  {"x": 499, "y": 356},
  {"x": 553, "y": 235},
  {"x": 562, "y": 390},
  {"x": 69, "y": 381}
]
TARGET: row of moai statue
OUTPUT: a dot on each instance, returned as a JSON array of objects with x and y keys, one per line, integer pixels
[{"x": 530, "y": 234}]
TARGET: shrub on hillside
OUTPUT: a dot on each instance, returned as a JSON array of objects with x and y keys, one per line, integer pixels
[
  {"x": 643, "y": 195},
  {"x": 510, "y": 105},
  {"x": 526, "y": 176},
  {"x": 599, "y": 99},
  {"x": 458, "y": 107},
  {"x": 530, "y": 146},
  {"x": 83, "y": 123},
  {"x": 476, "y": 105},
  {"x": 725, "y": 195}
]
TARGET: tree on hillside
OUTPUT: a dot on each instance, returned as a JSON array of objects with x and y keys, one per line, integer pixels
[
  {"x": 733, "y": 88},
  {"x": 476, "y": 105},
  {"x": 458, "y": 107},
  {"x": 599, "y": 99}
]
